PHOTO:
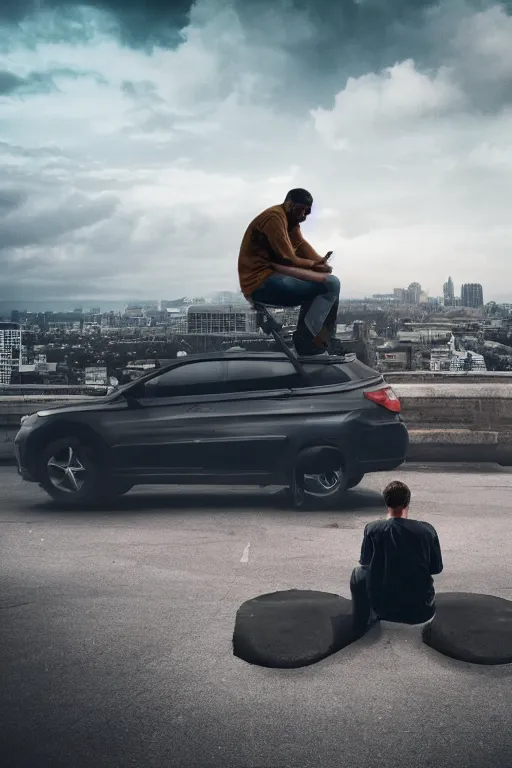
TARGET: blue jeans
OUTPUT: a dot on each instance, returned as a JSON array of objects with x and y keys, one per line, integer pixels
[{"x": 318, "y": 301}]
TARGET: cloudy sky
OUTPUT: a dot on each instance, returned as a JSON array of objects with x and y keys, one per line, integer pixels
[{"x": 136, "y": 143}]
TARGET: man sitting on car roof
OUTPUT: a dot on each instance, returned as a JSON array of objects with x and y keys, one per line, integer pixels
[{"x": 277, "y": 266}]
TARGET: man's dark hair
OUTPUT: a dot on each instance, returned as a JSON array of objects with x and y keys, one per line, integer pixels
[
  {"x": 299, "y": 197},
  {"x": 397, "y": 495}
]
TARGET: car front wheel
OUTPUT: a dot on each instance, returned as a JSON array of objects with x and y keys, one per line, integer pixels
[{"x": 71, "y": 472}]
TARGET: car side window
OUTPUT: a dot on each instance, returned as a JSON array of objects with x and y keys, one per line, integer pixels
[
  {"x": 201, "y": 378},
  {"x": 321, "y": 375},
  {"x": 259, "y": 375}
]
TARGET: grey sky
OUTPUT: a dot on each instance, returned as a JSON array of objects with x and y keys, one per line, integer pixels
[{"x": 136, "y": 144}]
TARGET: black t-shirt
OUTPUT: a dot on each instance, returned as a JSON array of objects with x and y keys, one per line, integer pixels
[{"x": 401, "y": 556}]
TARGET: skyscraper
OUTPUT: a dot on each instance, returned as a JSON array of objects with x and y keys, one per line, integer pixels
[
  {"x": 414, "y": 293},
  {"x": 448, "y": 290},
  {"x": 10, "y": 350},
  {"x": 472, "y": 295}
]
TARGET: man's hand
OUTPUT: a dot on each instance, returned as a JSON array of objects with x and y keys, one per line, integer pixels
[{"x": 322, "y": 267}]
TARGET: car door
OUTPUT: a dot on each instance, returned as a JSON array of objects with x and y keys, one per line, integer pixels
[
  {"x": 254, "y": 417},
  {"x": 161, "y": 433}
]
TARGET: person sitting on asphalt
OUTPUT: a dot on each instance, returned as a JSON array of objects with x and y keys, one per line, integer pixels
[
  {"x": 398, "y": 559},
  {"x": 277, "y": 266}
]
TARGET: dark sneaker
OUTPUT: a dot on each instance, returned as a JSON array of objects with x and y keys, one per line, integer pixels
[
  {"x": 337, "y": 348},
  {"x": 359, "y": 631},
  {"x": 305, "y": 346}
]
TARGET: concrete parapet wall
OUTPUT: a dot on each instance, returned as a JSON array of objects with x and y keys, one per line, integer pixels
[
  {"x": 446, "y": 421},
  {"x": 470, "y": 406},
  {"x": 448, "y": 377}
]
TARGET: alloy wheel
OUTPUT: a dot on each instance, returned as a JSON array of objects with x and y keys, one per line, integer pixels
[
  {"x": 66, "y": 471},
  {"x": 322, "y": 485}
]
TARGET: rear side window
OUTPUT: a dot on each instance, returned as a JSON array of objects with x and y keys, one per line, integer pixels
[
  {"x": 323, "y": 375},
  {"x": 358, "y": 371},
  {"x": 201, "y": 378},
  {"x": 259, "y": 375}
]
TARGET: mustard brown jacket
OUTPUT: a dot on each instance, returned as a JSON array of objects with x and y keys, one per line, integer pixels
[{"x": 269, "y": 239}]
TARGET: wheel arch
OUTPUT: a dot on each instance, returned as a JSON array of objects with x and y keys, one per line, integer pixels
[
  {"x": 319, "y": 456},
  {"x": 60, "y": 431}
]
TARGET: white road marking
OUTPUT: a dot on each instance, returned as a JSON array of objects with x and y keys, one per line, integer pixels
[{"x": 245, "y": 556}]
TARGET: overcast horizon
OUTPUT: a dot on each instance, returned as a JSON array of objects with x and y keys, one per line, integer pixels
[{"x": 137, "y": 143}]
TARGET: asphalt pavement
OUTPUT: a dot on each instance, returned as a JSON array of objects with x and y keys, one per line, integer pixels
[{"x": 116, "y": 626}]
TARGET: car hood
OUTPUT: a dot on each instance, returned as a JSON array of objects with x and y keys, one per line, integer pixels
[{"x": 88, "y": 404}]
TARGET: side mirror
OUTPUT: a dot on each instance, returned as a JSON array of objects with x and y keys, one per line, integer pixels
[
  {"x": 134, "y": 394},
  {"x": 139, "y": 390}
]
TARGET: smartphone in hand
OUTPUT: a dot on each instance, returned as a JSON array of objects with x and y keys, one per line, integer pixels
[{"x": 328, "y": 256}]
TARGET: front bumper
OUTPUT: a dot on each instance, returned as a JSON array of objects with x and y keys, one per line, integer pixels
[
  {"x": 19, "y": 453},
  {"x": 25, "y": 475}
]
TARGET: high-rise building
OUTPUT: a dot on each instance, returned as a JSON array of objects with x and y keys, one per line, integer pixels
[
  {"x": 472, "y": 295},
  {"x": 414, "y": 293},
  {"x": 448, "y": 290},
  {"x": 10, "y": 351},
  {"x": 220, "y": 319}
]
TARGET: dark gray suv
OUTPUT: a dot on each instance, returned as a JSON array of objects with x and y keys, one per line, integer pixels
[{"x": 229, "y": 418}]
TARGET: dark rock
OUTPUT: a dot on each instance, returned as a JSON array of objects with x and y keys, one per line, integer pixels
[
  {"x": 292, "y": 628},
  {"x": 471, "y": 627}
]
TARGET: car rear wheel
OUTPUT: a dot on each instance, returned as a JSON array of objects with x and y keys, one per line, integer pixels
[
  {"x": 321, "y": 489},
  {"x": 72, "y": 473},
  {"x": 353, "y": 481}
]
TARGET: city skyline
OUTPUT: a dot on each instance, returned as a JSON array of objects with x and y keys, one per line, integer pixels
[
  {"x": 414, "y": 290},
  {"x": 86, "y": 305},
  {"x": 161, "y": 134}
]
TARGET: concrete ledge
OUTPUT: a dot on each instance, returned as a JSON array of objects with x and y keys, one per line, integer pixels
[
  {"x": 465, "y": 391},
  {"x": 460, "y": 445},
  {"x": 448, "y": 377},
  {"x": 452, "y": 437}
]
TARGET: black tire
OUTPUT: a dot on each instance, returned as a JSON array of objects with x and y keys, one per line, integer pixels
[
  {"x": 72, "y": 473},
  {"x": 328, "y": 493},
  {"x": 353, "y": 481},
  {"x": 295, "y": 495}
]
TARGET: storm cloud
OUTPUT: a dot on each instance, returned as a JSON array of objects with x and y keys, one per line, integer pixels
[{"x": 160, "y": 133}]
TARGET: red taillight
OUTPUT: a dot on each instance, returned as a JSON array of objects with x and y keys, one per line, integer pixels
[{"x": 385, "y": 397}]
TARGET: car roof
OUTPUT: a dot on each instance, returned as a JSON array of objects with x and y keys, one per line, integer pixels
[
  {"x": 236, "y": 353},
  {"x": 248, "y": 355},
  {"x": 267, "y": 356}
]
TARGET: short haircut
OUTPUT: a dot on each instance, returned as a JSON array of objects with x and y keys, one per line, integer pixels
[
  {"x": 300, "y": 197},
  {"x": 397, "y": 495}
]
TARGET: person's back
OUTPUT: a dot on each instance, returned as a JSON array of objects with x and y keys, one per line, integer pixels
[
  {"x": 275, "y": 234},
  {"x": 254, "y": 260},
  {"x": 402, "y": 556},
  {"x": 398, "y": 559}
]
